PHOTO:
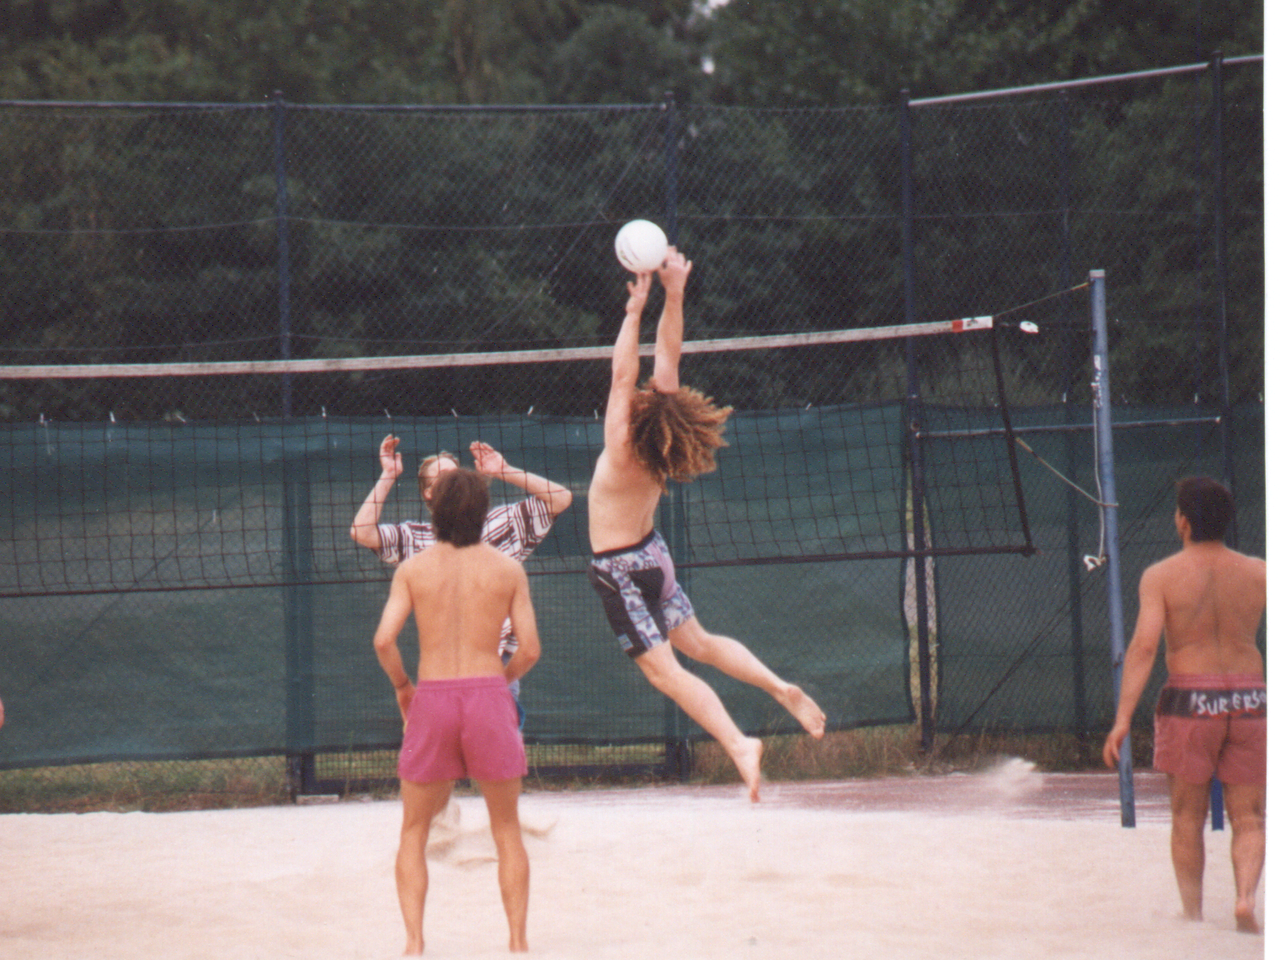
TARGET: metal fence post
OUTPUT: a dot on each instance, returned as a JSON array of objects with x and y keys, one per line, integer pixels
[
  {"x": 1111, "y": 535},
  {"x": 1220, "y": 272},
  {"x": 299, "y": 626},
  {"x": 282, "y": 251},
  {"x": 1066, "y": 341},
  {"x": 671, "y": 168},
  {"x": 915, "y": 422},
  {"x": 1217, "y": 812}
]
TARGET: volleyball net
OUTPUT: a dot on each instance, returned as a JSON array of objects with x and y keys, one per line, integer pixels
[
  {"x": 186, "y": 588},
  {"x": 815, "y": 469}
]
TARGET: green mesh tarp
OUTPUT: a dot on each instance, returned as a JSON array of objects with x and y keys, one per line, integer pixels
[
  {"x": 192, "y": 590},
  {"x": 1024, "y": 643},
  {"x": 176, "y": 590}
]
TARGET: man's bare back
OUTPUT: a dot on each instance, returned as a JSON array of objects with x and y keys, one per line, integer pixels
[
  {"x": 460, "y": 598},
  {"x": 1213, "y": 600}
]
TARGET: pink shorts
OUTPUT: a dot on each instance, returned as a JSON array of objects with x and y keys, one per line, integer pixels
[
  {"x": 1213, "y": 725},
  {"x": 462, "y": 728}
]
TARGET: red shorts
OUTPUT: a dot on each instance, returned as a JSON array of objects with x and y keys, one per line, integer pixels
[
  {"x": 1213, "y": 725},
  {"x": 462, "y": 728}
]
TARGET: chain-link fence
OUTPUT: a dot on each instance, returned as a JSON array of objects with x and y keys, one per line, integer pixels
[{"x": 172, "y": 234}]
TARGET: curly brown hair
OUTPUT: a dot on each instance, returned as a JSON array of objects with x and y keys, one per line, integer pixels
[{"x": 675, "y": 435}]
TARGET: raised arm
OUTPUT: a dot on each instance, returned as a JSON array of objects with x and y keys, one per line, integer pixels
[
  {"x": 364, "y": 528},
  {"x": 492, "y": 464},
  {"x": 626, "y": 368},
  {"x": 670, "y": 339}
]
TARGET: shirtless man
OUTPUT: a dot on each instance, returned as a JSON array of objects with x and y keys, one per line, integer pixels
[
  {"x": 1208, "y": 601},
  {"x": 460, "y": 720},
  {"x": 667, "y": 432},
  {"x": 514, "y": 528}
]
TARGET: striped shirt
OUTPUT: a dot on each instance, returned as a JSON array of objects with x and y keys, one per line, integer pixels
[{"x": 513, "y": 528}]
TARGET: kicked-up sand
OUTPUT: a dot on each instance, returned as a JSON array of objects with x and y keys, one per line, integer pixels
[{"x": 1010, "y": 863}]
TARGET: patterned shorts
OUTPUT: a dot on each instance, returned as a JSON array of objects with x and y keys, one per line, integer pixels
[{"x": 642, "y": 600}]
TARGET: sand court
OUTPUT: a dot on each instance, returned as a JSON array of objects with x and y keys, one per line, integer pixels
[{"x": 1010, "y": 863}]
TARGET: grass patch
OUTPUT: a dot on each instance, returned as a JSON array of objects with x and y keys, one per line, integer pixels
[
  {"x": 895, "y": 751},
  {"x": 841, "y": 754},
  {"x": 259, "y": 781},
  {"x": 138, "y": 785}
]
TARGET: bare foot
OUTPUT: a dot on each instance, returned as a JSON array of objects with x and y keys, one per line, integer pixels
[
  {"x": 1246, "y": 922},
  {"x": 802, "y": 707},
  {"x": 415, "y": 948},
  {"x": 747, "y": 759}
]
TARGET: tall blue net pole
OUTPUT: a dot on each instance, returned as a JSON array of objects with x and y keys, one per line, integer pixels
[{"x": 1111, "y": 542}]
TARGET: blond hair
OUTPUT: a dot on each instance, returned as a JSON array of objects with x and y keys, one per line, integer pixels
[
  {"x": 423, "y": 468},
  {"x": 675, "y": 435}
]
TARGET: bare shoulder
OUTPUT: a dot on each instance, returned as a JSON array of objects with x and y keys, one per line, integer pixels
[
  {"x": 1254, "y": 563},
  {"x": 615, "y": 465},
  {"x": 1255, "y": 567},
  {"x": 1160, "y": 571},
  {"x": 500, "y": 561},
  {"x": 412, "y": 562}
]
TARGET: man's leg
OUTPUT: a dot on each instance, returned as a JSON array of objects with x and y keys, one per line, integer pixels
[
  {"x": 700, "y": 702},
  {"x": 422, "y": 801},
  {"x": 732, "y": 658},
  {"x": 502, "y": 799},
  {"x": 1246, "y": 809},
  {"x": 1189, "y": 803}
]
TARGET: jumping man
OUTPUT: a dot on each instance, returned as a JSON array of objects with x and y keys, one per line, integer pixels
[{"x": 667, "y": 432}]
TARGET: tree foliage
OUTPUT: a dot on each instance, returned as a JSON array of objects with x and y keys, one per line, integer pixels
[
  {"x": 152, "y": 235},
  {"x": 836, "y": 52}
]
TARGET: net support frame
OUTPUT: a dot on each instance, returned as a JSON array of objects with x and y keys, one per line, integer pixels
[{"x": 1111, "y": 534}]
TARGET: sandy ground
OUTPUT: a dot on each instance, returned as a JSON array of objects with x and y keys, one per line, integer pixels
[{"x": 1006, "y": 864}]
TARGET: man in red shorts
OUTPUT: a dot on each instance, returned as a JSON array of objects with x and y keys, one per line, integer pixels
[
  {"x": 460, "y": 720},
  {"x": 1211, "y": 718}
]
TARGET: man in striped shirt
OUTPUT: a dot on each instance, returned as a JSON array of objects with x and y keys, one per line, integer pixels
[{"x": 513, "y": 528}]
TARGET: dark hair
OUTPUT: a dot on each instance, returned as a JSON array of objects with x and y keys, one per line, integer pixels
[
  {"x": 675, "y": 435},
  {"x": 1208, "y": 507},
  {"x": 459, "y": 504}
]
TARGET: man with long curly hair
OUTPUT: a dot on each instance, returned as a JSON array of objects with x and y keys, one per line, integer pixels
[{"x": 667, "y": 432}]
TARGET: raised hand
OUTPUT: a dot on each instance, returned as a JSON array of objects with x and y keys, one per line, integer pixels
[
  {"x": 639, "y": 290},
  {"x": 389, "y": 457},
  {"x": 674, "y": 270},
  {"x": 488, "y": 460}
]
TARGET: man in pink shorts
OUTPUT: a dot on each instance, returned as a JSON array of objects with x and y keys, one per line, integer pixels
[
  {"x": 1211, "y": 718},
  {"x": 460, "y": 720}
]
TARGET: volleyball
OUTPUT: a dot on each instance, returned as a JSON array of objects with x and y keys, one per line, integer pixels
[{"x": 641, "y": 246}]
